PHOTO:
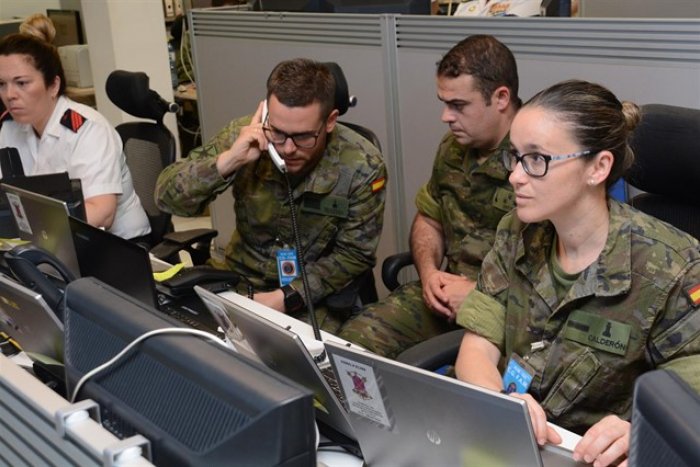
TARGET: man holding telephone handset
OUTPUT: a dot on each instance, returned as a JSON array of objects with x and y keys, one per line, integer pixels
[{"x": 337, "y": 179}]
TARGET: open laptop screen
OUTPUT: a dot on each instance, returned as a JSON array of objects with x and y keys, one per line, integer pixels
[
  {"x": 43, "y": 221},
  {"x": 115, "y": 261}
]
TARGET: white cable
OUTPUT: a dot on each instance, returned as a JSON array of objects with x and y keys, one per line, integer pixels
[
  {"x": 185, "y": 58},
  {"x": 129, "y": 346}
]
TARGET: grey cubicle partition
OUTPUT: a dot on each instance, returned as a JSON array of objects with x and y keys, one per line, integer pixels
[
  {"x": 235, "y": 52},
  {"x": 390, "y": 62}
]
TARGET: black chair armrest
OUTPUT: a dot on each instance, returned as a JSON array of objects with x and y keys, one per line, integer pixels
[
  {"x": 434, "y": 353},
  {"x": 391, "y": 267},
  {"x": 197, "y": 242}
]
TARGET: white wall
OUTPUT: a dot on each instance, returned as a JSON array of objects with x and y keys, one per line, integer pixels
[
  {"x": 121, "y": 34},
  {"x": 127, "y": 35}
]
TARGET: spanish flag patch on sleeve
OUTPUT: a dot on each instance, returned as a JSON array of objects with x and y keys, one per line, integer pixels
[
  {"x": 72, "y": 120},
  {"x": 694, "y": 294},
  {"x": 378, "y": 184}
]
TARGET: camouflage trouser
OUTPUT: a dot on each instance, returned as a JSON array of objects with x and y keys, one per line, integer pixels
[
  {"x": 327, "y": 321},
  {"x": 396, "y": 323}
]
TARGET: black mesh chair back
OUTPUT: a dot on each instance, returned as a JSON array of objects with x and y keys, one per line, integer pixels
[
  {"x": 667, "y": 165},
  {"x": 149, "y": 148}
]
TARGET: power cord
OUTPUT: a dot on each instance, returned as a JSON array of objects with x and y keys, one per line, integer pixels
[{"x": 131, "y": 345}]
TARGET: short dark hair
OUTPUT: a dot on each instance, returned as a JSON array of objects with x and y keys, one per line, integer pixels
[
  {"x": 301, "y": 82},
  {"x": 597, "y": 119},
  {"x": 44, "y": 56},
  {"x": 487, "y": 60}
]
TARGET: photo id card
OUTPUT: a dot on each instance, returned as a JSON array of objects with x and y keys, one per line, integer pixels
[
  {"x": 518, "y": 375},
  {"x": 287, "y": 265}
]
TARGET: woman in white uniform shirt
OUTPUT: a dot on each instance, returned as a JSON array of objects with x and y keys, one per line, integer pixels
[{"x": 54, "y": 134}]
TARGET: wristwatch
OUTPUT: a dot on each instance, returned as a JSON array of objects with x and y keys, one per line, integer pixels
[{"x": 293, "y": 300}]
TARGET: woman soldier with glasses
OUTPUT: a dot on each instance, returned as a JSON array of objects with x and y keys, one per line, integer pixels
[{"x": 579, "y": 291}]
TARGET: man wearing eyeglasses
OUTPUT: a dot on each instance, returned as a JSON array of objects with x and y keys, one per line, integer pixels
[
  {"x": 337, "y": 179},
  {"x": 460, "y": 206}
]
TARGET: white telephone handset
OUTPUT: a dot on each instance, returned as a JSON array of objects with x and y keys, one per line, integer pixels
[{"x": 274, "y": 155}]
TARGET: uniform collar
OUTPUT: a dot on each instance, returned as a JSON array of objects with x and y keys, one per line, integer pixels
[
  {"x": 53, "y": 126},
  {"x": 323, "y": 178},
  {"x": 460, "y": 156},
  {"x": 609, "y": 275}
]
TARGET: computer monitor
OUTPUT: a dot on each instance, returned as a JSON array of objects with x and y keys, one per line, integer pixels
[
  {"x": 69, "y": 30},
  {"x": 197, "y": 402},
  {"x": 665, "y": 421},
  {"x": 415, "y": 7}
]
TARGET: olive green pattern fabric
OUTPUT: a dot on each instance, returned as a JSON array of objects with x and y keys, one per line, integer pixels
[
  {"x": 627, "y": 313},
  {"x": 339, "y": 240},
  {"x": 468, "y": 199}
]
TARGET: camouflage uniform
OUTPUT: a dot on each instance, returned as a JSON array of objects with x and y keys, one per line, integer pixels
[
  {"x": 627, "y": 313},
  {"x": 468, "y": 200},
  {"x": 339, "y": 209}
]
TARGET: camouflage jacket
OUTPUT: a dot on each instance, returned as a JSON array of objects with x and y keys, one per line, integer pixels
[
  {"x": 339, "y": 208},
  {"x": 634, "y": 309},
  {"x": 468, "y": 199}
]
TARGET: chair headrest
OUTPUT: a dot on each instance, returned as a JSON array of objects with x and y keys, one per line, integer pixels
[
  {"x": 130, "y": 91},
  {"x": 342, "y": 94},
  {"x": 666, "y": 145}
]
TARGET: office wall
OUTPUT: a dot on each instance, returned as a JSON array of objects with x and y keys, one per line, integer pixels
[
  {"x": 235, "y": 55},
  {"x": 128, "y": 35},
  {"x": 390, "y": 63}
]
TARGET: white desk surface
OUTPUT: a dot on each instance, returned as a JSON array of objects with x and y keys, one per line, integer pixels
[{"x": 337, "y": 458}]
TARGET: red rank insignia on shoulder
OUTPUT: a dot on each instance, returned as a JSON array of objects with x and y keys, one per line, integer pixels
[
  {"x": 378, "y": 184},
  {"x": 72, "y": 120},
  {"x": 694, "y": 294}
]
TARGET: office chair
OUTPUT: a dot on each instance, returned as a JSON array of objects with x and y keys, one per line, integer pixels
[
  {"x": 436, "y": 352},
  {"x": 363, "y": 287},
  {"x": 667, "y": 165},
  {"x": 149, "y": 147}
]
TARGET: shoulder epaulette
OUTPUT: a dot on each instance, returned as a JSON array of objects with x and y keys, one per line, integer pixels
[{"x": 72, "y": 120}]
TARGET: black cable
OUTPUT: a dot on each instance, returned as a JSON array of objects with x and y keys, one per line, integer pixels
[{"x": 302, "y": 269}]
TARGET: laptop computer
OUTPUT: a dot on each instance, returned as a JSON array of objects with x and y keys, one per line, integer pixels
[
  {"x": 25, "y": 316},
  {"x": 54, "y": 185},
  {"x": 249, "y": 326},
  {"x": 127, "y": 267},
  {"x": 43, "y": 221},
  {"x": 408, "y": 416}
]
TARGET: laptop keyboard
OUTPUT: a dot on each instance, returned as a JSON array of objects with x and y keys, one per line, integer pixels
[
  {"x": 190, "y": 311},
  {"x": 332, "y": 381},
  {"x": 183, "y": 316}
]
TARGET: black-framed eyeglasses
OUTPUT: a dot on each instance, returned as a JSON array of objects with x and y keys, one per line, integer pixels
[
  {"x": 305, "y": 140},
  {"x": 534, "y": 163}
]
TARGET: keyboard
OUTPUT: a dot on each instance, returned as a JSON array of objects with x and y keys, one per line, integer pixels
[{"x": 190, "y": 311}]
